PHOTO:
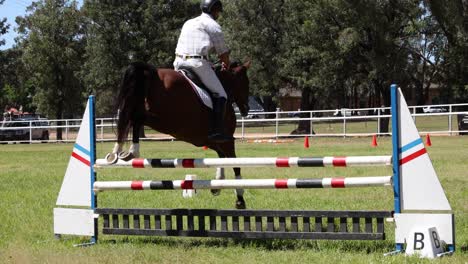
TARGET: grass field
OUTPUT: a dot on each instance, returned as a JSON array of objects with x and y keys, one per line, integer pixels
[{"x": 31, "y": 176}]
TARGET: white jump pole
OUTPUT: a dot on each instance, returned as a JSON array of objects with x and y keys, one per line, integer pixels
[
  {"x": 252, "y": 162},
  {"x": 100, "y": 186}
]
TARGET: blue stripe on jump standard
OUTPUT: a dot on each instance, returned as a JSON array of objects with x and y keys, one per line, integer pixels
[
  {"x": 80, "y": 148},
  {"x": 411, "y": 145}
]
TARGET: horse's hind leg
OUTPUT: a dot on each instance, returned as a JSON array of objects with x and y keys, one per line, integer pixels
[
  {"x": 240, "y": 203},
  {"x": 219, "y": 173},
  {"x": 227, "y": 150},
  {"x": 219, "y": 176}
]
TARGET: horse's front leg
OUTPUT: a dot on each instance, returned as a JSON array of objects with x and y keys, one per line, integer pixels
[
  {"x": 114, "y": 155},
  {"x": 133, "y": 151}
]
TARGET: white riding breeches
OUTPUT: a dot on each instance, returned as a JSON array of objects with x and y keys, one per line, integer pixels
[{"x": 205, "y": 72}]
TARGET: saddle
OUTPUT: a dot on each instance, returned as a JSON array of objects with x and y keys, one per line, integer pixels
[{"x": 200, "y": 89}]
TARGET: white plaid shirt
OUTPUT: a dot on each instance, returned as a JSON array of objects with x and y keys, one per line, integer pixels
[{"x": 201, "y": 35}]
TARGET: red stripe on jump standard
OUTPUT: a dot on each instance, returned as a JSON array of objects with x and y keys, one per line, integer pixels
[
  {"x": 282, "y": 162},
  {"x": 138, "y": 163},
  {"x": 337, "y": 183},
  {"x": 188, "y": 163},
  {"x": 413, "y": 156},
  {"x": 281, "y": 184},
  {"x": 137, "y": 185},
  {"x": 186, "y": 185},
  {"x": 339, "y": 161},
  {"x": 78, "y": 157}
]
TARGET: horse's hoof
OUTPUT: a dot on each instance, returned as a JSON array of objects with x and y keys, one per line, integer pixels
[
  {"x": 111, "y": 158},
  {"x": 240, "y": 204},
  {"x": 126, "y": 156},
  {"x": 215, "y": 192}
]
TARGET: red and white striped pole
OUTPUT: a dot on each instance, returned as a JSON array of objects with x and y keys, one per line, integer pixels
[
  {"x": 245, "y": 184},
  {"x": 251, "y": 162}
]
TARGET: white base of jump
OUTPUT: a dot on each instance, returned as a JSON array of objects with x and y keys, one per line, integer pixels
[{"x": 78, "y": 222}]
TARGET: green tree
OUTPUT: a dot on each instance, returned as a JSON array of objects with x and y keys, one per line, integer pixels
[
  {"x": 52, "y": 46},
  {"x": 3, "y": 30},
  {"x": 3, "y": 26},
  {"x": 255, "y": 30},
  {"x": 15, "y": 90},
  {"x": 346, "y": 53},
  {"x": 424, "y": 61},
  {"x": 452, "y": 17},
  {"x": 119, "y": 32}
]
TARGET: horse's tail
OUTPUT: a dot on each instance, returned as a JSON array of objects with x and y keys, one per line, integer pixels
[{"x": 131, "y": 99}]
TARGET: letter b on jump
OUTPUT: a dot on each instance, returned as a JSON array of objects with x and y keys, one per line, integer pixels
[
  {"x": 418, "y": 241},
  {"x": 425, "y": 242},
  {"x": 435, "y": 238}
]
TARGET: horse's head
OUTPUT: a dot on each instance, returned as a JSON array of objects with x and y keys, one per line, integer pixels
[{"x": 236, "y": 83}]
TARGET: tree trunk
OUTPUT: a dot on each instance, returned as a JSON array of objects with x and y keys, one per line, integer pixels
[
  {"x": 419, "y": 92},
  {"x": 59, "y": 129},
  {"x": 307, "y": 103},
  {"x": 59, "y": 108},
  {"x": 269, "y": 105},
  {"x": 59, "y": 117},
  {"x": 385, "y": 93}
]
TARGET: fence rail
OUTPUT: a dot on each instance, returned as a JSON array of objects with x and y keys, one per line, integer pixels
[{"x": 278, "y": 124}]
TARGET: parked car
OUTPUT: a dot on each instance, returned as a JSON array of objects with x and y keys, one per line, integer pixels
[
  {"x": 19, "y": 130},
  {"x": 294, "y": 114},
  {"x": 434, "y": 109},
  {"x": 462, "y": 123},
  {"x": 346, "y": 112},
  {"x": 255, "y": 109}
]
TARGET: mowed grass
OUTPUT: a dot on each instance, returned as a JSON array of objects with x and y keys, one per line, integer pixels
[{"x": 31, "y": 176}]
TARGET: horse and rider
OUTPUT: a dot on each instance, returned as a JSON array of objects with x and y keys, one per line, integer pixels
[{"x": 166, "y": 101}]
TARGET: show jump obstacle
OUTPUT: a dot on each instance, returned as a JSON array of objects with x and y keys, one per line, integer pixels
[{"x": 422, "y": 214}]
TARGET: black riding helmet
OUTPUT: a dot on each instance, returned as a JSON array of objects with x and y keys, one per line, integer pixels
[{"x": 208, "y": 5}]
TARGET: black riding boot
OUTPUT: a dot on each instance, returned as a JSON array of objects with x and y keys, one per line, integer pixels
[{"x": 217, "y": 129}]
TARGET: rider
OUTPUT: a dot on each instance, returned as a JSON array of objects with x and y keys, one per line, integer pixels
[{"x": 200, "y": 36}]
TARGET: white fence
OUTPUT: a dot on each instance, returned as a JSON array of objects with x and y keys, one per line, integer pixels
[{"x": 278, "y": 124}]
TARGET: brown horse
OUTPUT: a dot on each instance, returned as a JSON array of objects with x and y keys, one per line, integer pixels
[{"x": 165, "y": 101}]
